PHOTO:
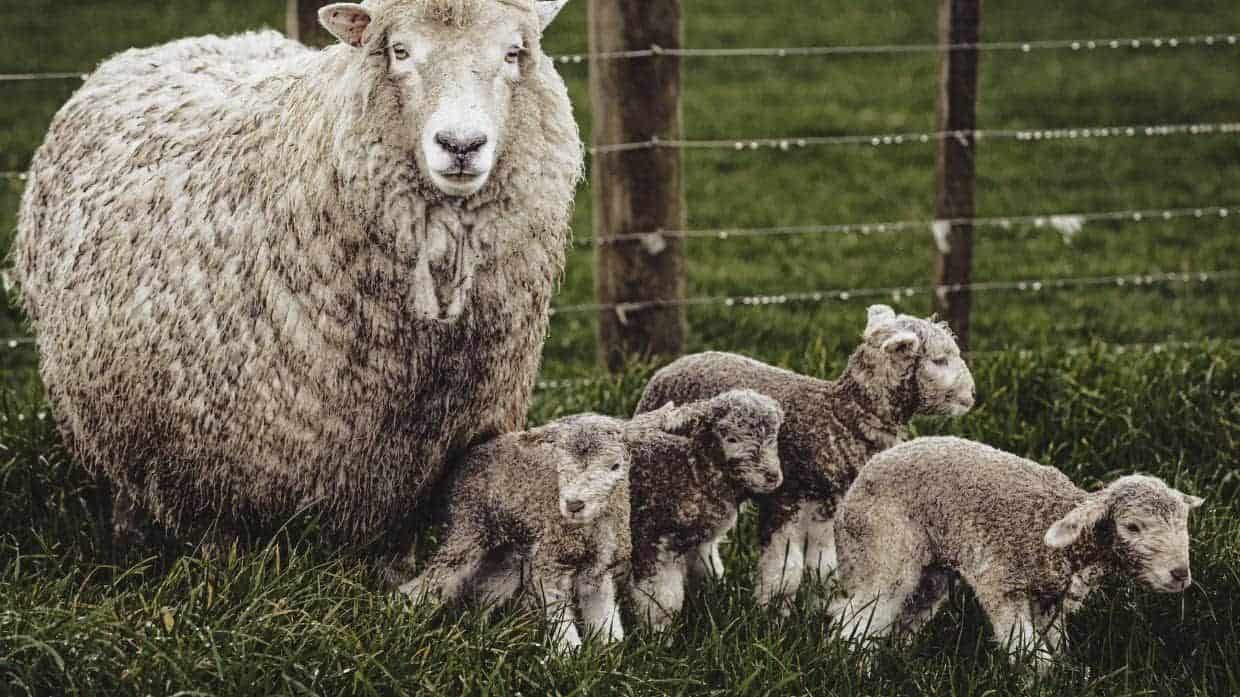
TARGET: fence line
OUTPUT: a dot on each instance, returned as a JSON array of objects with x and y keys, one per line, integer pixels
[
  {"x": 1026, "y": 135},
  {"x": 1064, "y": 222},
  {"x": 1083, "y": 44},
  {"x": 899, "y": 292},
  {"x": 1131, "y": 42}
]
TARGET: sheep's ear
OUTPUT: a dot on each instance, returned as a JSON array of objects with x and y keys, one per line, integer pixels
[
  {"x": 346, "y": 21},
  {"x": 547, "y": 12},
  {"x": 677, "y": 422},
  {"x": 903, "y": 344},
  {"x": 533, "y": 439},
  {"x": 1192, "y": 501},
  {"x": 1068, "y": 529},
  {"x": 877, "y": 316}
]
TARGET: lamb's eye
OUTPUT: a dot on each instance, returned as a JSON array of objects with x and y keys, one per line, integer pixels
[
  {"x": 514, "y": 55},
  {"x": 616, "y": 466},
  {"x": 400, "y": 53},
  {"x": 1133, "y": 528},
  {"x": 941, "y": 362}
]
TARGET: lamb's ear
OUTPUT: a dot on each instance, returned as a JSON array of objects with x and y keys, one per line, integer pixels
[
  {"x": 346, "y": 21},
  {"x": 1192, "y": 501},
  {"x": 547, "y": 12},
  {"x": 877, "y": 316},
  {"x": 1068, "y": 529},
  {"x": 902, "y": 345},
  {"x": 678, "y": 422}
]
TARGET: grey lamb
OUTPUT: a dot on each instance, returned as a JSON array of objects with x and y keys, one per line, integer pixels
[
  {"x": 544, "y": 512},
  {"x": 686, "y": 486},
  {"x": 904, "y": 367},
  {"x": 266, "y": 278},
  {"x": 1030, "y": 543}
]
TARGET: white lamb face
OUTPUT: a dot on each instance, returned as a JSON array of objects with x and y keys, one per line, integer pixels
[
  {"x": 750, "y": 444},
  {"x": 944, "y": 382},
  {"x": 452, "y": 68},
  {"x": 1151, "y": 531},
  {"x": 589, "y": 476},
  {"x": 1148, "y": 525}
]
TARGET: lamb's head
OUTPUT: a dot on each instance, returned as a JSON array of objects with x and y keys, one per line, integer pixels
[
  {"x": 1143, "y": 522},
  {"x": 592, "y": 461},
  {"x": 916, "y": 363},
  {"x": 447, "y": 72},
  {"x": 741, "y": 428}
]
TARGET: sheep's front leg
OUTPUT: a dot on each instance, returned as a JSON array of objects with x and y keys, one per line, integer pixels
[
  {"x": 596, "y": 595},
  {"x": 707, "y": 562},
  {"x": 126, "y": 520},
  {"x": 820, "y": 557},
  {"x": 659, "y": 594},
  {"x": 781, "y": 565},
  {"x": 1014, "y": 629},
  {"x": 555, "y": 591}
]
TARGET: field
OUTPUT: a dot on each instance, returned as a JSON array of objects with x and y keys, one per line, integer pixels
[{"x": 1097, "y": 381}]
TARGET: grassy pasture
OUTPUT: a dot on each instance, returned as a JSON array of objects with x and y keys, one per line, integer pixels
[{"x": 78, "y": 617}]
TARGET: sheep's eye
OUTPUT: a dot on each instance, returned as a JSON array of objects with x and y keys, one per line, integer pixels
[
  {"x": 941, "y": 362},
  {"x": 615, "y": 466},
  {"x": 514, "y": 55},
  {"x": 400, "y": 53},
  {"x": 1133, "y": 528}
]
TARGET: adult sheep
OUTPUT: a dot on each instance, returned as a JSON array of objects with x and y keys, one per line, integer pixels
[{"x": 267, "y": 279}]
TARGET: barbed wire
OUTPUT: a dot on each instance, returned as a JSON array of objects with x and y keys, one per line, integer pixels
[
  {"x": 900, "y": 292},
  {"x": 963, "y": 136},
  {"x": 1056, "y": 220},
  {"x": 1084, "y": 44},
  {"x": 559, "y": 384}
]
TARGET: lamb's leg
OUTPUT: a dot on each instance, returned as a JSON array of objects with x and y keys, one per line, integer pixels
[
  {"x": 1048, "y": 620},
  {"x": 781, "y": 564},
  {"x": 126, "y": 519},
  {"x": 596, "y": 594},
  {"x": 554, "y": 589},
  {"x": 659, "y": 596},
  {"x": 449, "y": 572},
  {"x": 707, "y": 562},
  {"x": 499, "y": 581},
  {"x": 1012, "y": 621},
  {"x": 925, "y": 600},
  {"x": 820, "y": 557}
]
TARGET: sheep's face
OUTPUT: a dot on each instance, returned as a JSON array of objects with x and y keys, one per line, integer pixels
[
  {"x": 923, "y": 355},
  {"x": 1146, "y": 524},
  {"x": 747, "y": 432},
  {"x": 450, "y": 71},
  {"x": 596, "y": 463},
  {"x": 1151, "y": 531}
]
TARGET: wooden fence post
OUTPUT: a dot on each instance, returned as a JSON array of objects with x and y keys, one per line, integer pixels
[
  {"x": 637, "y": 191},
  {"x": 302, "y": 22},
  {"x": 959, "y": 23}
]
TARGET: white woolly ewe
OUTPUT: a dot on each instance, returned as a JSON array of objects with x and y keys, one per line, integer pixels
[{"x": 266, "y": 278}]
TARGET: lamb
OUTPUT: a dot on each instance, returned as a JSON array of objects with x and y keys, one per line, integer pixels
[
  {"x": 267, "y": 279},
  {"x": 905, "y": 366},
  {"x": 545, "y": 511},
  {"x": 1030, "y": 543},
  {"x": 686, "y": 486}
]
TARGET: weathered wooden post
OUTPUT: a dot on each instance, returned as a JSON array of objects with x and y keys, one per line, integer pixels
[
  {"x": 639, "y": 190},
  {"x": 959, "y": 23},
  {"x": 302, "y": 22}
]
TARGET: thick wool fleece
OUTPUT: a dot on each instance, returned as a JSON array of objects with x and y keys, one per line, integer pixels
[
  {"x": 215, "y": 248},
  {"x": 831, "y": 428}
]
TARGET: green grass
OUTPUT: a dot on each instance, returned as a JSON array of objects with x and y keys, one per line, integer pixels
[{"x": 78, "y": 616}]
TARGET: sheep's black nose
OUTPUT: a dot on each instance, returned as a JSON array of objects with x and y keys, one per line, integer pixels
[
  {"x": 1180, "y": 573},
  {"x": 575, "y": 505},
  {"x": 458, "y": 144}
]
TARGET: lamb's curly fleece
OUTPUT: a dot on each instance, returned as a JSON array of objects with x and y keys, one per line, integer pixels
[
  {"x": 215, "y": 248},
  {"x": 1029, "y": 542}
]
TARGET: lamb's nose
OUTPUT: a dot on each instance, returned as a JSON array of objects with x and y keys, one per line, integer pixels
[
  {"x": 459, "y": 144},
  {"x": 773, "y": 477},
  {"x": 575, "y": 505},
  {"x": 1180, "y": 573}
]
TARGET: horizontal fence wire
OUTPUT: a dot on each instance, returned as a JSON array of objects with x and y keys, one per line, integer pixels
[
  {"x": 559, "y": 384},
  {"x": 1085, "y": 44},
  {"x": 1064, "y": 222},
  {"x": 896, "y": 293},
  {"x": 965, "y": 137},
  {"x": 900, "y": 292}
]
